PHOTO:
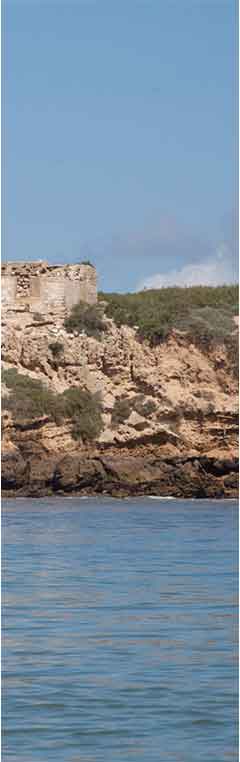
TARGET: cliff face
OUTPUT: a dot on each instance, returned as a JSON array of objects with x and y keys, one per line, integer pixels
[{"x": 180, "y": 436}]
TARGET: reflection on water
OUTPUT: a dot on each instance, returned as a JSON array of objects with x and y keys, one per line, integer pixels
[{"x": 119, "y": 631}]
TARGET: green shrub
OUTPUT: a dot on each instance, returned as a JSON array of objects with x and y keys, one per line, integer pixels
[
  {"x": 30, "y": 399},
  {"x": 157, "y": 311},
  {"x": 86, "y": 262},
  {"x": 208, "y": 325},
  {"x": 121, "y": 411},
  {"x": 85, "y": 317},
  {"x": 142, "y": 406},
  {"x": 124, "y": 406},
  {"x": 84, "y": 409},
  {"x": 56, "y": 347},
  {"x": 232, "y": 346}
]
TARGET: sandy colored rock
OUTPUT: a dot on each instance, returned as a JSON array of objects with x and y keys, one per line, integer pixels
[{"x": 195, "y": 396}]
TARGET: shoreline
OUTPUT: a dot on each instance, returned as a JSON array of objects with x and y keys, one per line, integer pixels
[
  {"x": 100, "y": 497},
  {"x": 86, "y": 475}
]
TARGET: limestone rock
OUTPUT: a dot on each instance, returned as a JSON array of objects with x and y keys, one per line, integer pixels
[{"x": 194, "y": 414}]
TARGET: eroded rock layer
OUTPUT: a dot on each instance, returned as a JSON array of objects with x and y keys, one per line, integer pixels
[{"x": 179, "y": 437}]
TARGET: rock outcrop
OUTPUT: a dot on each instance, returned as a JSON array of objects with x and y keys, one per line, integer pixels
[{"x": 180, "y": 437}]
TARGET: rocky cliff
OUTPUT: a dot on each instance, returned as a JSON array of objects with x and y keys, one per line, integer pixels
[{"x": 175, "y": 434}]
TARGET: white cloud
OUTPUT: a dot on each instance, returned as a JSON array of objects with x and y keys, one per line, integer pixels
[{"x": 214, "y": 271}]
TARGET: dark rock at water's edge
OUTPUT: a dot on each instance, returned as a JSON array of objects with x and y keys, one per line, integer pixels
[{"x": 119, "y": 476}]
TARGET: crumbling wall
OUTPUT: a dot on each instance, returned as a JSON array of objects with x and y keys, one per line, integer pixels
[
  {"x": 47, "y": 295},
  {"x": 9, "y": 290},
  {"x": 37, "y": 287}
]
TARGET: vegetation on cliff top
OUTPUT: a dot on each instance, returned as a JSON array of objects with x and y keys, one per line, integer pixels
[
  {"x": 85, "y": 318},
  {"x": 204, "y": 312},
  {"x": 87, "y": 262},
  {"x": 30, "y": 399}
]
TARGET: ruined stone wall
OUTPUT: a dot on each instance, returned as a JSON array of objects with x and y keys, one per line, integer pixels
[
  {"x": 9, "y": 290},
  {"x": 36, "y": 287}
]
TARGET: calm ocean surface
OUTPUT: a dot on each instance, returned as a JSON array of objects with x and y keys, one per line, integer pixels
[{"x": 119, "y": 630}]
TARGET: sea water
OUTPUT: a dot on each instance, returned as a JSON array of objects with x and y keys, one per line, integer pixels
[{"x": 119, "y": 630}]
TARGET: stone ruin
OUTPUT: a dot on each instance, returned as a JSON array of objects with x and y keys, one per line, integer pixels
[{"x": 46, "y": 291}]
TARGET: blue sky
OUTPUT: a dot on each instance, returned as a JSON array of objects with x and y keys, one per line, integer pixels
[{"x": 120, "y": 137}]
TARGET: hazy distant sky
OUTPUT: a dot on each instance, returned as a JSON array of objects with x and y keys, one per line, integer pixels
[{"x": 119, "y": 137}]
